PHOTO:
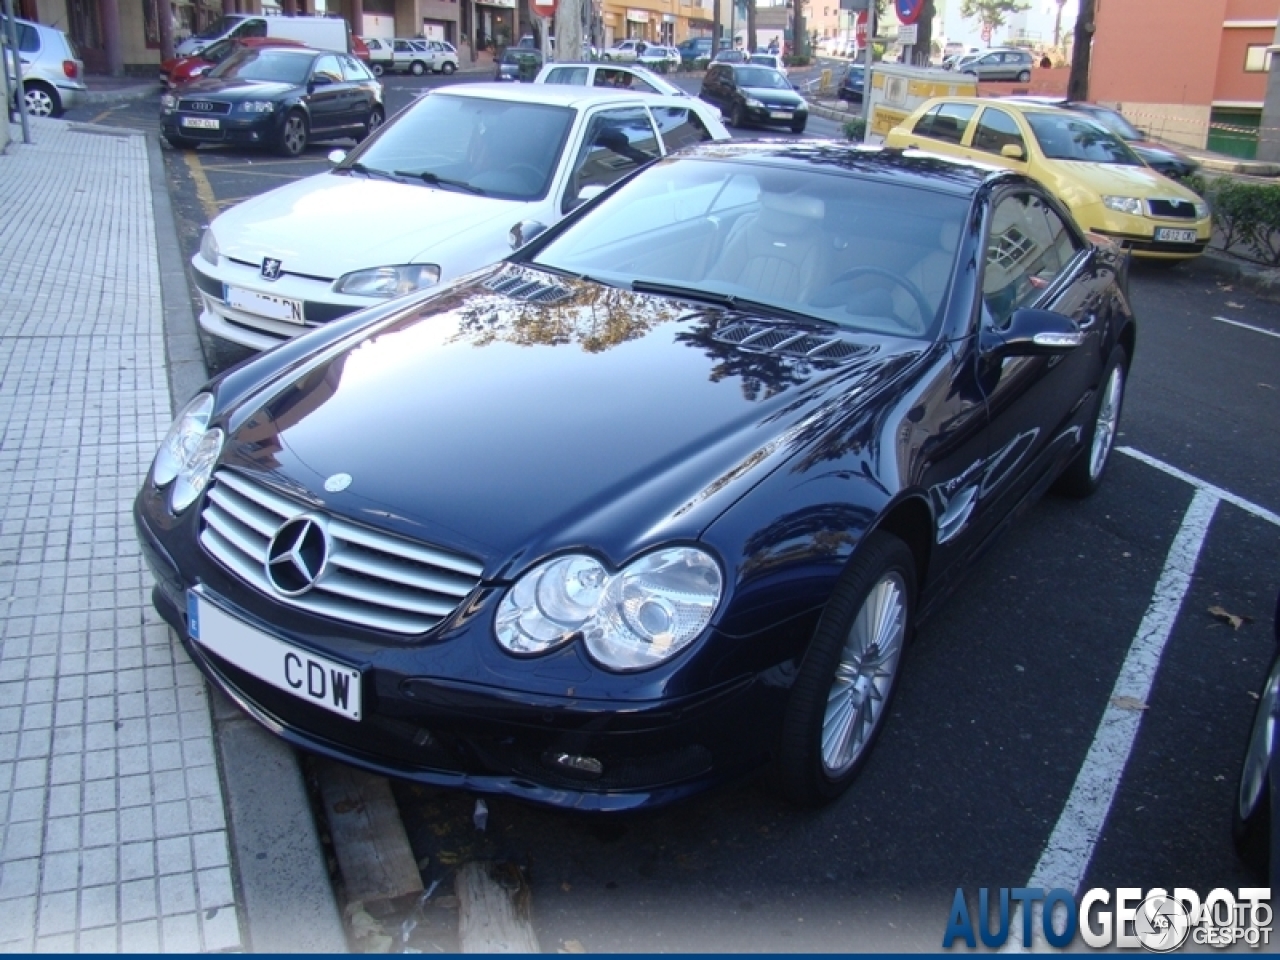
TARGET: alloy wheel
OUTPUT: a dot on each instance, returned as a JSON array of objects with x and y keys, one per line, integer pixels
[
  {"x": 295, "y": 135},
  {"x": 39, "y": 103},
  {"x": 1104, "y": 431}
]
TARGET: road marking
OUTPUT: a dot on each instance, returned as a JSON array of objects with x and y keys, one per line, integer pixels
[
  {"x": 102, "y": 116},
  {"x": 1249, "y": 326},
  {"x": 1247, "y": 505},
  {"x": 1070, "y": 847},
  {"x": 239, "y": 172},
  {"x": 204, "y": 190}
]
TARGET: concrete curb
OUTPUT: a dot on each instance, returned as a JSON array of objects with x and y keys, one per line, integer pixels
[
  {"x": 278, "y": 864},
  {"x": 1255, "y": 168},
  {"x": 123, "y": 95},
  {"x": 1264, "y": 281}
]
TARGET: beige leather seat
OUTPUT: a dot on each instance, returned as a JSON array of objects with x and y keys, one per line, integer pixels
[
  {"x": 779, "y": 253},
  {"x": 932, "y": 273}
]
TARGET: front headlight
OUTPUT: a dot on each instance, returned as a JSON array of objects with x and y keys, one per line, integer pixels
[
  {"x": 168, "y": 102},
  {"x": 636, "y": 618},
  {"x": 188, "y": 454},
  {"x": 257, "y": 106},
  {"x": 209, "y": 246},
  {"x": 1202, "y": 209},
  {"x": 1130, "y": 205},
  {"x": 388, "y": 281},
  {"x": 754, "y": 104}
]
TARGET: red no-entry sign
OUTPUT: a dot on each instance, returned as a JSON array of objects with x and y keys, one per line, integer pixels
[{"x": 908, "y": 10}]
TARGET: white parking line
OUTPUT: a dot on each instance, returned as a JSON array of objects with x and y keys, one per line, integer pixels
[
  {"x": 1249, "y": 326},
  {"x": 1070, "y": 846}
]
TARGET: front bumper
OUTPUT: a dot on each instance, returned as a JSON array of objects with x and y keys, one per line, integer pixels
[
  {"x": 765, "y": 116},
  {"x": 250, "y": 129},
  {"x": 450, "y": 732},
  {"x": 1138, "y": 234}
]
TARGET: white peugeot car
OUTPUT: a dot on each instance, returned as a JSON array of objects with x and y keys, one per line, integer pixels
[{"x": 453, "y": 184}]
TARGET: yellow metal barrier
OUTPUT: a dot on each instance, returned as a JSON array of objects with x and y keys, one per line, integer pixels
[{"x": 825, "y": 83}]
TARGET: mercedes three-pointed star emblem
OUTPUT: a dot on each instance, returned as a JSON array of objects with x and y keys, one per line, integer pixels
[{"x": 297, "y": 555}]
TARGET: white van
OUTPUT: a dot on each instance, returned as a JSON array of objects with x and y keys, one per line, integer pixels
[{"x": 321, "y": 33}]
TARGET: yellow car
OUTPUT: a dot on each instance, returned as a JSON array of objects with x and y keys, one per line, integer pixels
[{"x": 1099, "y": 178}]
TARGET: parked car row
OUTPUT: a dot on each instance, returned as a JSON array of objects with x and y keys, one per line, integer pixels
[
  {"x": 415, "y": 55},
  {"x": 52, "y": 71}
]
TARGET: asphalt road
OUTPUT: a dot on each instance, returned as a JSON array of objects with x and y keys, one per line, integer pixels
[{"x": 1003, "y": 691}]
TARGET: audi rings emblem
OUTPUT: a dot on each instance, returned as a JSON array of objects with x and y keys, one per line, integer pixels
[
  {"x": 297, "y": 555},
  {"x": 204, "y": 106}
]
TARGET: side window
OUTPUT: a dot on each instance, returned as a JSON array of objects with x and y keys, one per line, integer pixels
[
  {"x": 575, "y": 76},
  {"x": 617, "y": 142},
  {"x": 679, "y": 127},
  {"x": 946, "y": 122},
  {"x": 327, "y": 67},
  {"x": 353, "y": 70},
  {"x": 1026, "y": 251},
  {"x": 251, "y": 28},
  {"x": 28, "y": 39},
  {"x": 402, "y": 46},
  {"x": 996, "y": 129}
]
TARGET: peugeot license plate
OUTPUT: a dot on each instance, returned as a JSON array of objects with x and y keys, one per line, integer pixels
[
  {"x": 1170, "y": 235},
  {"x": 202, "y": 123},
  {"x": 317, "y": 680},
  {"x": 780, "y": 114},
  {"x": 265, "y": 305}
]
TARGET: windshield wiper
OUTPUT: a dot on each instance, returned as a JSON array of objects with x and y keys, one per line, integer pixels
[
  {"x": 372, "y": 172},
  {"x": 435, "y": 180},
  {"x": 730, "y": 300}
]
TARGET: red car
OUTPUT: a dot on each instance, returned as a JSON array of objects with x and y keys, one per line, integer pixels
[
  {"x": 360, "y": 49},
  {"x": 180, "y": 70}
]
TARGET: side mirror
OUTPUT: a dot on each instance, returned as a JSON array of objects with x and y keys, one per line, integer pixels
[
  {"x": 1033, "y": 333},
  {"x": 1013, "y": 152},
  {"x": 524, "y": 231},
  {"x": 319, "y": 80},
  {"x": 336, "y": 156}
]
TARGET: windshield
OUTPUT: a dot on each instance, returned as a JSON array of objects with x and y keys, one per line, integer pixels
[
  {"x": 217, "y": 52},
  {"x": 501, "y": 148},
  {"x": 1114, "y": 122},
  {"x": 1064, "y": 137},
  {"x": 762, "y": 78},
  {"x": 519, "y": 56},
  {"x": 861, "y": 254},
  {"x": 276, "y": 66},
  {"x": 218, "y": 28}
]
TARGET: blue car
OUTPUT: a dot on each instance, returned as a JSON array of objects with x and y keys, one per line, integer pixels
[{"x": 851, "y": 84}]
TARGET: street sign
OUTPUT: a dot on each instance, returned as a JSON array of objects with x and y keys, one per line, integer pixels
[
  {"x": 908, "y": 10},
  {"x": 544, "y": 8},
  {"x": 986, "y": 33},
  {"x": 907, "y": 34},
  {"x": 860, "y": 30}
]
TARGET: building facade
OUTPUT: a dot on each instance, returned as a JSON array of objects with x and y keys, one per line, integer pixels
[{"x": 1190, "y": 71}]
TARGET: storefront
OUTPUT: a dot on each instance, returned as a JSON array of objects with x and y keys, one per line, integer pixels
[
  {"x": 638, "y": 25},
  {"x": 496, "y": 24}
]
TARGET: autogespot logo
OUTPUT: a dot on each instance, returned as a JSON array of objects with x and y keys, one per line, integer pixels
[{"x": 1126, "y": 918}]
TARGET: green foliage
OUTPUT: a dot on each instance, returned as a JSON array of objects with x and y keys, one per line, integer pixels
[
  {"x": 856, "y": 129},
  {"x": 990, "y": 13},
  {"x": 1246, "y": 215}
]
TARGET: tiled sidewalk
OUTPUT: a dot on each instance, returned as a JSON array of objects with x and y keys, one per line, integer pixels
[{"x": 111, "y": 811}]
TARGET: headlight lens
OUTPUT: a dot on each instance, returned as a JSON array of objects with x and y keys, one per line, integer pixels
[
  {"x": 209, "y": 246},
  {"x": 631, "y": 620},
  {"x": 754, "y": 104},
  {"x": 257, "y": 106},
  {"x": 1130, "y": 205},
  {"x": 168, "y": 102},
  {"x": 388, "y": 281},
  {"x": 1202, "y": 209},
  {"x": 187, "y": 456}
]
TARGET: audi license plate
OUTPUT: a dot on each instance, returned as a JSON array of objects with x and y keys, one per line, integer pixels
[
  {"x": 265, "y": 305},
  {"x": 1170, "y": 235},
  {"x": 780, "y": 114},
  {"x": 318, "y": 680},
  {"x": 202, "y": 123}
]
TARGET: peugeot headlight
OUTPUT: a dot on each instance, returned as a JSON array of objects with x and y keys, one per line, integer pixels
[
  {"x": 188, "y": 454},
  {"x": 1130, "y": 205},
  {"x": 168, "y": 102},
  {"x": 257, "y": 106},
  {"x": 637, "y": 618},
  {"x": 388, "y": 281},
  {"x": 209, "y": 246},
  {"x": 754, "y": 104}
]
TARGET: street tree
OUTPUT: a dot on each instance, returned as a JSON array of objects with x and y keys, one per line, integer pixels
[
  {"x": 1081, "y": 48},
  {"x": 990, "y": 13},
  {"x": 569, "y": 29}
]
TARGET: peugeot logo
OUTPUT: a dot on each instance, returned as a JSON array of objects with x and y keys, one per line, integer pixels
[
  {"x": 297, "y": 555},
  {"x": 270, "y": 269},
  {"x": 204, "y": 106}
]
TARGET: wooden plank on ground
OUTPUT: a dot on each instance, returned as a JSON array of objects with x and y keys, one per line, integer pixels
[
  {"x": 368, "y": 837},
  {"x": 493, "y": 910}
]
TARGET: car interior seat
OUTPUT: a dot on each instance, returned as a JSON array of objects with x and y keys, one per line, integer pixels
[{"x": 778, "y": 252}]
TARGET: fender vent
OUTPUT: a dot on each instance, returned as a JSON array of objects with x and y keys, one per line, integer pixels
[
  {"x": 526, "y": 286},
  {"x": 771, "y": 339}
]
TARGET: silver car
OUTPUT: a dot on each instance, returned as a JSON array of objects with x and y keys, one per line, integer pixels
[
  {"x": 999, "y": 65},
  {"x": 52, "y": 71}
]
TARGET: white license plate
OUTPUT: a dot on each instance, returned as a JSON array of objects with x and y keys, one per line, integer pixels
[
  {"x": 202, "y": 123},
  {"x": 265, "y": 305},
  {"x": 1170, "y": 235},
  {"x": 315, "y": 679},
  {"x": 780, "y": 114}
]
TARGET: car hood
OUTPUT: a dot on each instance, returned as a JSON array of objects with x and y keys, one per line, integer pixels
[
  {"x": 1149, "y": 148},
  {"x": 396, "y": 223},
  {"x": 770, "y": 95},
  {"x": 507, "y": 429},
  {"x": 1113, "y": 179},
  {"x": 238, "y": 89}
]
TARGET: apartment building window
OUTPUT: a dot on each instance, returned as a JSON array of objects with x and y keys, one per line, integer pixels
[{"x": 1257, "y": 58}]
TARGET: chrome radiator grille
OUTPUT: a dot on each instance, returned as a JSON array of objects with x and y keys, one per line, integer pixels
[{"x": 364, "y": 576}]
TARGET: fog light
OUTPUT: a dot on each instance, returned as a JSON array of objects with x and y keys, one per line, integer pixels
[{"x": 583, "y": 766}]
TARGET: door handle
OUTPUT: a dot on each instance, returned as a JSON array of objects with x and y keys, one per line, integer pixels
[{"x": 1089, "y": 320}]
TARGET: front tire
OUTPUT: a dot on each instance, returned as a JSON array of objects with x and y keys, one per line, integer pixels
[
  {"x": 846, "y": 683},
  {"x": 736, "y": 117},
  {"x": 1084, "y": 474},
  {"x": 293, "y": 138},
  {"x": 42, "y": 100},
  {"x": 1024, "y": 76},
  {"x": 377, "y": 69},
  {"x": 417, "y": 68},
  {"x": 1251, "y": 813},
  {"x": 375, "y": 121},
  {"x": 448, "y": 68},
  {"x": 797, "y": 126}
]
